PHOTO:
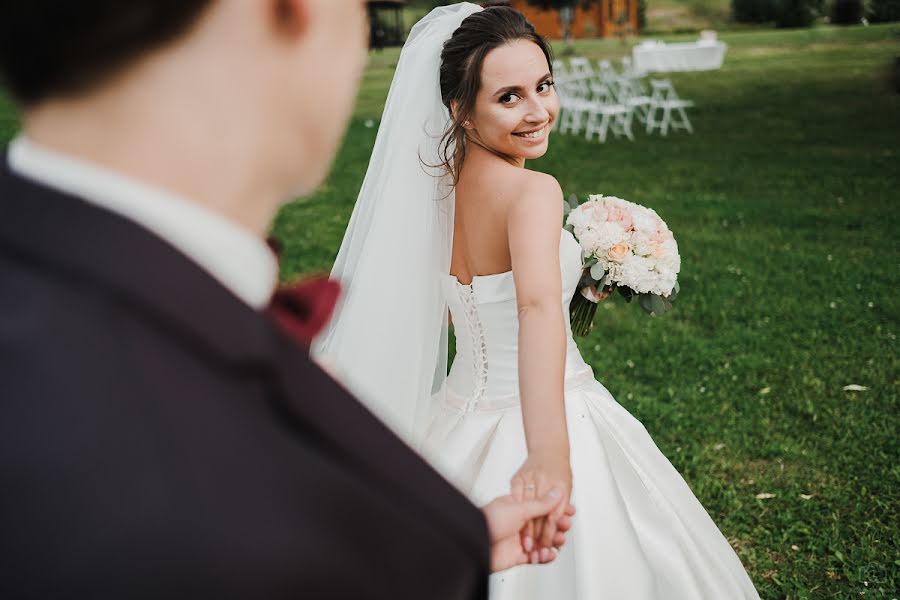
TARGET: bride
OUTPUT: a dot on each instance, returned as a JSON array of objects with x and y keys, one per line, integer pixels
[{"x": 448, "y": 217}]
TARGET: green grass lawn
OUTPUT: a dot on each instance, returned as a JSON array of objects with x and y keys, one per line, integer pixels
[{"x": 785, "y": 206}]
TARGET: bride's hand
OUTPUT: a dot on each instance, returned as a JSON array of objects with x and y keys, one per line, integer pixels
[
  {"x": 506, "y": 517},
  {"x": 538, "y": 474}
]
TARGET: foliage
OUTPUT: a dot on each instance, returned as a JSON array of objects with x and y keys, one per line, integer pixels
[
  {"x": 798, "y": 13},
  {"x": 753, "y": 11},
  {"x": 846, "y": 12},
  {"x": 783, "y": 13},
  {"x": 884, "y": 10}
]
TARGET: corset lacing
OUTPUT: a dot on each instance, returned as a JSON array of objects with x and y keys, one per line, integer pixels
[{"x": 479, "y": 351}]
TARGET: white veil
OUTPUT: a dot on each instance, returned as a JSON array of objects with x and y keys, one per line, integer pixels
[{"x": 388, "y": 338}]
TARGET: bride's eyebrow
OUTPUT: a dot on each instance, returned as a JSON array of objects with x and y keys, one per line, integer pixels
[{"x": 518, "y": 88}]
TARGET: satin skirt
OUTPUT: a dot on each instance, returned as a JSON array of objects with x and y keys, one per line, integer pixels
[{"x": 639, "y": 533}]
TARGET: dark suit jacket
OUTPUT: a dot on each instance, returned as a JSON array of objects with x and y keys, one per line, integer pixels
[{"x": 159, "y": 438}]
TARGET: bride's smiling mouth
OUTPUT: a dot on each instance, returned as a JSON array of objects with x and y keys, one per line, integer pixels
[{"x": 534, "y": 134}]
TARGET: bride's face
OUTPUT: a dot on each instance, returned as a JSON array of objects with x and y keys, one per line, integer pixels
[{"x": 517, "y": 103}]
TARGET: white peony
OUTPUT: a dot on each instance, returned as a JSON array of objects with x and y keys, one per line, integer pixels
[
  {"x": 665, "y": 283},
  {"x": 670, "y": 259},
  {"x": 615, "y": 201},
  {"x": 640, "y": 241},
  {"x": 608, "y": 235},
  {"x": 590, "y": 240},
  {"x": 643, "y": 221},
  {"x": 579, "y": 219},
  {"x": 633, "y": 273}
]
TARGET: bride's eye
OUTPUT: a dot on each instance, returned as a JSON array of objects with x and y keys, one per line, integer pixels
[
  {"x": 507, "y": 98},
  {"x": 545, "y": 87}
]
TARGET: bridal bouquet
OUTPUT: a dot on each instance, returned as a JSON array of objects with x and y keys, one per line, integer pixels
[{"x": 625, "y": 247}]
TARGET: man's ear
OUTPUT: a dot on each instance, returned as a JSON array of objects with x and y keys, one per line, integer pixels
[{"x": 290, "y": 17}]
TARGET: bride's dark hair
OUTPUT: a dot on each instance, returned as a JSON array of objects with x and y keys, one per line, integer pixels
[{"x": 461, "y": 61}]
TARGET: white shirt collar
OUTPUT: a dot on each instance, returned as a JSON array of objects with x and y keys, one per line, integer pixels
[{"x": 233, "y": 255}]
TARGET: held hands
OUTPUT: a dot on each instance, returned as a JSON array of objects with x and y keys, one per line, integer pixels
[
  {"x": 506, "y": 519},
  {"x": 541, "y": 472}
]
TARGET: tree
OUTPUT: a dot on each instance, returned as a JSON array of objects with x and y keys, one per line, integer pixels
[{"x": 566, "y": 10}]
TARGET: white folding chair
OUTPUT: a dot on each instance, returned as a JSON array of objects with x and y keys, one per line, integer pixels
[
  {"x": 560, "y": 72},
  {"x": 666, "y": 100},
  {"x": 573, "y": 105},
  {"x": 580, "y": 67},
  {"x": 606, "y": 71},
  {"x": 629, "y": 94},
  {"x": 605, "y": 114},
  {"x": 561, "y": 77},
  {"x": 574, "y": 93},
  {"x": 629, "y": 70}
]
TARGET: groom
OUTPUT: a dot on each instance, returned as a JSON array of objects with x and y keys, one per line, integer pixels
[{"x": 160, "y": 436}]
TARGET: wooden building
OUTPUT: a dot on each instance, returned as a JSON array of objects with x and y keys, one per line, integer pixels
[{"x": 603, "y": 18}]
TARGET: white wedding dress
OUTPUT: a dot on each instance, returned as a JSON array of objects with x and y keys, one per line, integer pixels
[{"x": 639, "y": 532}]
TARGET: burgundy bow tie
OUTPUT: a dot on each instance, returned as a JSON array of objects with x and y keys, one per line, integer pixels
[{"x": 303, "y": 309}]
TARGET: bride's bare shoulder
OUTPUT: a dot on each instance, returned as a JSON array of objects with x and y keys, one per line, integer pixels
[
  {"x": 535, "y": 193},
  {"x": 536, "y": 183}
]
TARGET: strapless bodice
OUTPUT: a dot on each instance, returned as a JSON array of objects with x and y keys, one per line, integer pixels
[{"x": 486, "y": 323}]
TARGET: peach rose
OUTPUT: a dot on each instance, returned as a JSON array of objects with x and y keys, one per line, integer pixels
[{"x": 618, "y": 252}]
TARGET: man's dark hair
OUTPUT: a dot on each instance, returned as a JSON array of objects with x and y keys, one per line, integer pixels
[{"x": 50, "y": 48}]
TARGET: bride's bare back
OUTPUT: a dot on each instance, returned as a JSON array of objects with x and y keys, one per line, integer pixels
[{"x": 480, "y": 240}]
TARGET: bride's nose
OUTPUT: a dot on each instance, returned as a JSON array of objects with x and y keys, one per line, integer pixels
[{"x": 537, "y": 112}]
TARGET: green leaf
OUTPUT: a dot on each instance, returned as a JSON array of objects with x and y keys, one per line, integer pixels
[
  {"x": 674, "y": 293},
  {"x": 645, "y": 300},
  {"x": 590, "y": 261},
  {"x": 573, "y": 201},
  {"x": 598, "y": 271}
]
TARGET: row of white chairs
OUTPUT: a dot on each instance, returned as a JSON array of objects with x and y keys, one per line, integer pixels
[{"x": 597, "y": 101}]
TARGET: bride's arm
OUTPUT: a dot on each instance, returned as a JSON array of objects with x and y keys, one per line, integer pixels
[{"x": 534, "y": 229}]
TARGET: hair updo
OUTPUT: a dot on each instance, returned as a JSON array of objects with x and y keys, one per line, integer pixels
[{"x": 461, "y": 61}]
